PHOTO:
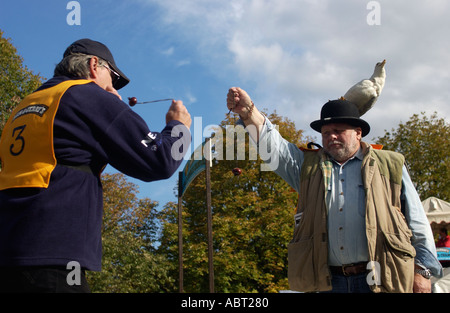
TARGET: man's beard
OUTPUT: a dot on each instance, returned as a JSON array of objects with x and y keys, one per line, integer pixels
[{"x": 341, "y": 153}]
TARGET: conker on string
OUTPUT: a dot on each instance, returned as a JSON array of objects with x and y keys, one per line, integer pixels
[
  {"x": 236, "y": 171},
  {"x": 132, "y": 101}
]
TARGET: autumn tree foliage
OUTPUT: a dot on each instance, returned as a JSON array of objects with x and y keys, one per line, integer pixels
[
  {"x": 16, "y": 80},
  {"x": 129, "y": 235},
  {"x": 425, "y": 143}
]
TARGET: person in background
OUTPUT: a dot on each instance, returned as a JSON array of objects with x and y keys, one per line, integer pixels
[
  {"x": 444, "y": 238},
  {"x": 53, "y": 149}
]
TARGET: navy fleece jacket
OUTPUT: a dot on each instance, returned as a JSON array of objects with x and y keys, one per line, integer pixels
[{"x": 62, "y": 223}]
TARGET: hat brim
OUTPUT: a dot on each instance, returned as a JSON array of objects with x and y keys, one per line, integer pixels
[{"x": 357, "y": 122}]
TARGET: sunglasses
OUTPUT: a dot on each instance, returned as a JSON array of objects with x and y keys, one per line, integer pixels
[{"x": 114, "y": 75}]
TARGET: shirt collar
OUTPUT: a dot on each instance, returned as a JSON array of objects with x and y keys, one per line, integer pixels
[{"x": 359, "y": 154}]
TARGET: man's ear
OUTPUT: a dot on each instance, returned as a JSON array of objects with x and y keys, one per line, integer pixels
[
  {"x": 93, "y": 67},
  {"x": 358, "y": 133}
]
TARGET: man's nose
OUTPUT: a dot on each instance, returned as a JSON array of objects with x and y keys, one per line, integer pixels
[{"x": 333, "y": 135}]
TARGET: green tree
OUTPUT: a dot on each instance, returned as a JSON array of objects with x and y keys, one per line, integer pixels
[
  {"x": 252, "y": 225},
  {"x": 425, "y": 143},
  {"x": 129, "y": 235},
  {"x": 16, "y": 80}
]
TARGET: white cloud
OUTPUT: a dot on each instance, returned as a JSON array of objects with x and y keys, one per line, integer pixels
[
  {"x": 297, "y": 54},
  {"x": 168, "y": 52},
  {"x": 189, "y": 96},
  {"x": 183, "y": 63}
]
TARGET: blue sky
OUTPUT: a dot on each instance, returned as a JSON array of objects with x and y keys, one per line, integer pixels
[{"x": 290, "y": 55}]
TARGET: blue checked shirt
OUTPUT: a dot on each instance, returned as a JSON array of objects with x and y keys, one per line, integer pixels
[{"x": 346, "y": 203}]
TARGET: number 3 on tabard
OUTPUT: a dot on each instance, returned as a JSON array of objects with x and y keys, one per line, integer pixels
[{"x": 19, "y": 142}]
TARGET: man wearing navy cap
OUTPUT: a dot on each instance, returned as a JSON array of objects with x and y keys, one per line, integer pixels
[
  {"x": 360, "y": 225},
  {"x": 53, "y": 149}
]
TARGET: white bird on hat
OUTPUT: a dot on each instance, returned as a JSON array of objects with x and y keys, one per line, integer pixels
[{"x": 365, "y": 93}]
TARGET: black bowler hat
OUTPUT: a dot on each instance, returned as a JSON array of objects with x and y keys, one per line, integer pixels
[
  {"x": 340, "y": 111},
  {"x": 88, "y": 46}
]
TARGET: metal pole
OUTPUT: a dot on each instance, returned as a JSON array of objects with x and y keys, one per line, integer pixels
[
  {"x": 209, "y": 215},
  {"x": 180, "y": 237}
]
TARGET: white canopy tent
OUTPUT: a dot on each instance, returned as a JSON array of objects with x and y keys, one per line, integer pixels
[
  {"x": 437, "y": 210},
  {"x": 438, "y": 213}
]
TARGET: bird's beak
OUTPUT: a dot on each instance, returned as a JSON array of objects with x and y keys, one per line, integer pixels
[{"x": 383, "y": 63}]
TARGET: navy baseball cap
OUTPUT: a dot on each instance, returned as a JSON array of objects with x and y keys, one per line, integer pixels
[{"x": 88, "y": 46}]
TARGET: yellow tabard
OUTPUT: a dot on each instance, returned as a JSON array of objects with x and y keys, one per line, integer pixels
[{"x": 26, "y": 145}]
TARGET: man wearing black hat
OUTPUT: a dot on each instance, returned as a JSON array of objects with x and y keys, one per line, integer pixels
[
  {"x": 360, "y": 225},
  {"x": 53, "y": 149}
]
